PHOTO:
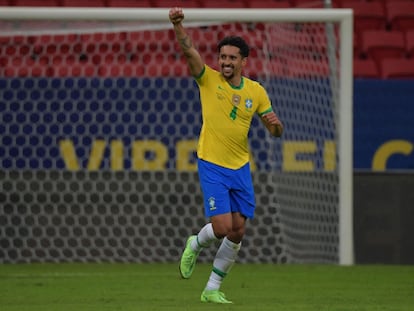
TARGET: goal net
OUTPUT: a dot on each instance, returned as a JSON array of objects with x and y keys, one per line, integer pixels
[{"x": 99, "y": 126}]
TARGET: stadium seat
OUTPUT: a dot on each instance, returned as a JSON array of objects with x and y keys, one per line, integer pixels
[
  {"x": 397, "y": 68},
  {"x": 357, "y": 44},
  {"x": 129, "y": 3},
  {"x": 389, "y": 1},
  {"x": 45, "y": 3},
  {"x": 400, "y": 15},
  {"x": 367, "y": 15},
  {"x": 337, "y": 3},
  {"x": 380, "y": 44},
  {"x": 83, "y": 3},
  {"x": 274, "y": 4},
  {"x": 174, "y": 3},
  {"x": 307, "y": 4},
  {"x": 365, "y": 68},
  {"x": 296, "y": 40},
  {"x": 306, "y": 68},
  {"x": 409, "y": 43},
  {"x": 223, "y": 4}
]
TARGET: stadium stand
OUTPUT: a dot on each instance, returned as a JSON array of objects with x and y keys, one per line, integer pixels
[
  {"x": 397, "y": 68},
  {"x": 400, "y": 15},
  {"x": 365, "y": 68},
  {"x": 82, "y": 3},
  {"x": 282, "y": 4},
  {"x": 223, "y": 4},
  {"x": 34, "y": 3},
  {"x": 380, "y": 44},
  {"x": 409, "y": 43},
  {"x": 307, "y": 4},
  {"x": 367, "y": 15},
  {"x": 171, "y": 3},
  {"x": 392, "y": 23},
  {"x": 129, "y": 3}
]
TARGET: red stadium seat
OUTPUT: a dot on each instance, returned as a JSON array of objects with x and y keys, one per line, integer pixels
[
  {"x": 337, "y": 3},
  {"x": 223, "y": 4},
  {"x": 380, "y": 44},
  {"x": 307, "y": 68},
  {"x": 129, "y": 3},
  {"x": 409, "y": 43},
  {"x": 5, "y": 3},
  {"x": 397, "y": 68},
  {"x": 174, "y": 3},
  {"x": 274, "y": 4},
  {"x": 45, "y": 3},
  {"x": 315, "y": 4},
  {"x": 365, "y": 68},
  {"x": 400, "y": 15},
  {"x": 292, "y": 40},
  {"x": 389, "y": 1},
  {"x": 357, "y": 44},
  {"x": 83, "y": 3},
  {"x": 367, "y": 15}
]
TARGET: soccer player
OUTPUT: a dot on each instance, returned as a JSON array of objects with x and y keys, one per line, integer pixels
[{"x": 229, "y": 101}]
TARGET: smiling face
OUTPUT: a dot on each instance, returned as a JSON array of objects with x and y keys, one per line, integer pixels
[{"x": 231, "y": 63}]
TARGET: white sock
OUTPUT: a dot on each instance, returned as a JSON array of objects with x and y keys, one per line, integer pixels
[
  {"x": 204, "y": 238},
  {"x": 223, "y": 262}
]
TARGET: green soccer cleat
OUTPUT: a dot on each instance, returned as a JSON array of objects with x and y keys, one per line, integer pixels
[
  {"x": 188, "y": 259},
  {"x": 214, "y": 296}
]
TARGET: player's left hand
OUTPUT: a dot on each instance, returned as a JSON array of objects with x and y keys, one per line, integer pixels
[
  {"x": 271, "y": 119},
  {"x": 273, "y": 124}
]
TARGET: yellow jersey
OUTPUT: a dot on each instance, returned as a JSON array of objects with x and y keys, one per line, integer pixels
[{"x": 227, "y": 112}]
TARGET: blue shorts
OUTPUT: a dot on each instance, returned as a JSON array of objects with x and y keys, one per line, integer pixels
[{"x": 226, "y": 190}]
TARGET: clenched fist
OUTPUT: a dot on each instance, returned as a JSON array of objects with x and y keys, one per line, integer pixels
[{"x": 176, "y": 15}]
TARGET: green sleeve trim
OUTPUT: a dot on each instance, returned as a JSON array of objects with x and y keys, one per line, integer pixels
[
  {"x": 201, "y": 73},
  {"x": 266, "y": 111}
]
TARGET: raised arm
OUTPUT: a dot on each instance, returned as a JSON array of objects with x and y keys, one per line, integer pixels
[{"x": 195, "y": 63}]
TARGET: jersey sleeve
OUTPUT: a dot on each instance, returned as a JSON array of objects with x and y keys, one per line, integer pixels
[
  {"x": 202, "y": 77},
  {"x": 265, "y": 105}
]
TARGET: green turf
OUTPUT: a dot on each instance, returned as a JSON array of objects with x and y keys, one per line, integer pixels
[{"x": 82, "y": 287}]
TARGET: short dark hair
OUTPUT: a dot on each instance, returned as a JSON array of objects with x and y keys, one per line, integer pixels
[{"x": 237, "y": 42}]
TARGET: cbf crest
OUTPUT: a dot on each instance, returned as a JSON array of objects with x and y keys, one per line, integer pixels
[{"x": 248, "y": 104}]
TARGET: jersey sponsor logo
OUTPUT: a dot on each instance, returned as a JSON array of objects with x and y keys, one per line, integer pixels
[{"x": 219, "y": 95}]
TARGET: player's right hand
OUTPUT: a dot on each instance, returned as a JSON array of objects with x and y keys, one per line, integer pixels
[{"x": 176, "y": 15}]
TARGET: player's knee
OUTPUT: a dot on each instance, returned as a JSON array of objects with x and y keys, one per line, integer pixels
[
  {"x": 222, "y": 230},
  {"x": 236, "y": 234}
]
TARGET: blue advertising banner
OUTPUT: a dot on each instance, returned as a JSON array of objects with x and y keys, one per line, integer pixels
[
  {"x": 383, "y": 125},
  {"x": 153, "y": 123}
]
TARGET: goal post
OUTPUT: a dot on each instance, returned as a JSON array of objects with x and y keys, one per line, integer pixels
[{"x": 304, "y": 181}]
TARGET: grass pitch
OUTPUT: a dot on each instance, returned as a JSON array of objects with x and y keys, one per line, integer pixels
[{"x": 147, "y": 287}]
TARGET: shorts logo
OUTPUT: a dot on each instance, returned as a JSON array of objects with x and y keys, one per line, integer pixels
[{"x": 212, "y": 203}]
